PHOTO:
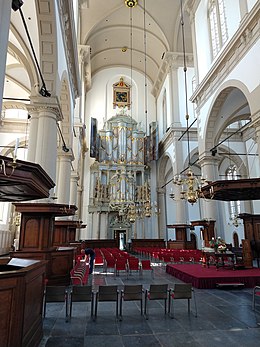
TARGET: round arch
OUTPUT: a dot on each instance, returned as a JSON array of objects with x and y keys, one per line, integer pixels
[
  {"x": 162, "y": 168},
  {"x": 240, "y": 109}
]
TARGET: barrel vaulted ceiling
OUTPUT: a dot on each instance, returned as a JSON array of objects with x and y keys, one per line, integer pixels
[
  {"x": 117, "y": 36},
  {"x": 154, "y": 26}
]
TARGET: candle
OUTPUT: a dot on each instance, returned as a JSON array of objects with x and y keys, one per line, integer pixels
[{"x": 16, "y": 147}]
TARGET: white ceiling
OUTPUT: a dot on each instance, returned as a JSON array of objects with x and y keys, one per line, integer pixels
[{"x": 106, "y": 26}]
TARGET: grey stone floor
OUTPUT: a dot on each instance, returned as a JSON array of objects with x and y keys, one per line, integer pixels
[{"x": 225, "y": 317}]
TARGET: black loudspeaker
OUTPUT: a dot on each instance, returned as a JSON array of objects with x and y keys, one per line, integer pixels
[{"x": 16, "y": 4}]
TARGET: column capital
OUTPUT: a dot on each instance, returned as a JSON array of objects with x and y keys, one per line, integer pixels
[
  {"x": 40, "y": 104},
  {"x": 174, "y": 60},
  {"x": 209, "y": 159},
  {"x": 161, "y": 191},
  {"x": 66, "y": 156}
]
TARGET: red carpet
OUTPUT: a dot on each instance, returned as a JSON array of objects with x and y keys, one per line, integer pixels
[{"x": 206, "y": 278}]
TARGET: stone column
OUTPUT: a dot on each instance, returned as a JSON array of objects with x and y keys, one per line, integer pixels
[
  {"x": 209, "y": 171},
  {"x": 63, "y": 177},
  {"x": 174, "y": 95},
  {"x": 46, "y": 148},
  {"x": 98, "y": 225},
  {"x": 5, "y": 16},
  {"x": 162, "y": 216},
  {"x": 74, "y": 178},
  {"x": 211, "y": 209},
  {"x": 43, "y": 146},
  {"x": 33, "y": 132},
  {"x": 181, "y": 208}
]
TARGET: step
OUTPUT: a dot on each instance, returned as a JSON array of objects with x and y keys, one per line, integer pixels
[{"x": 230, "y": 284}]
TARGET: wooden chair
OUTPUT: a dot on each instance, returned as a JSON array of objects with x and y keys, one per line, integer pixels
[
  {"x": 131, "y": 293},
  {"x": 81, "y": 294},
  {"x": 256, "y": 294},
  {"x": 181, "y": 291},
  {"x": 55, "y": 294},
  {"x": 107, "y": 293},
  {"x": 156, "y": 292}
]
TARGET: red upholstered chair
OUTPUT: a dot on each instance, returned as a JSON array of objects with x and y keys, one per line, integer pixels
[
  {"x": 120, "y": 265},
  {"x": 133, "y": 265},
  {"x": 109, "y": 263},
  {"x": 182, "y": 291},
  {"x": 146, "y": 266}
]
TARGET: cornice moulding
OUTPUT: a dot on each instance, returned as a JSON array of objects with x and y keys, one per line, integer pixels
[
  {"x": 170, "y": 60},
  {"x": 70, "y": 44}
]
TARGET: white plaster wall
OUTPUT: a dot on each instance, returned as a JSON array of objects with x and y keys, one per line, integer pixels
[
  {"x": 233, "y": 18},
  {"x": 246, "y": 76},
  {"x": 232, "y": 12},
  {"x": 99, "y": 103},
  {"x": 202, "y": 40},
  {"x": 159, "y": 107},
  {"x": 182, "y": 103}
]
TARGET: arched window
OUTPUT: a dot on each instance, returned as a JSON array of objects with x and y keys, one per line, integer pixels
[
  {"x": 218, "y": 25},
  {"x": 234, "y": 206}
]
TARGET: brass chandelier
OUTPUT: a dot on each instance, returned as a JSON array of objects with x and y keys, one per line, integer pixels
[{"x": 190, "y": 186}]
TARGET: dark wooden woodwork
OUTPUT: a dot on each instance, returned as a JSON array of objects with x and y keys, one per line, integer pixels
[
  {"x": 99, "y": 243},
  {"x": 251, "y": 226},
  {"x": 65, "y": 231},
  {"x": 148, "y": 243},
  {"x": 180, "y": 245},
  {"x": 36, "y": 239},
  {"x": 252, "y": 235},
  {"x": 232, "y": 190},
  {"x": 247, "y": 254},
  {"x": 181, "y": 236},
  {"x": 37, "y": 224},
  {"x": 208, "y": 230},
  {"x": 21, "y": 295},
  {"x": 59, "y": 262},
  {"x": 23, "y": 180}
]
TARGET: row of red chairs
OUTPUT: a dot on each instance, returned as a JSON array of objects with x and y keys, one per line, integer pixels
[
  {"x": 170, "y": 255},
  {"x": 79, "y": 273},
  {"x": 131, "y": 265},
  {"x": 118, "y": 260}
]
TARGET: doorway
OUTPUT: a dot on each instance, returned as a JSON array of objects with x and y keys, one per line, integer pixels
[
  {"x": 193, "y": 240},
  {"x": 120, "y": 237}
]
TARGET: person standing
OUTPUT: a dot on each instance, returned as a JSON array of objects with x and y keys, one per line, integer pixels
[{"x": 89, "y": 253}]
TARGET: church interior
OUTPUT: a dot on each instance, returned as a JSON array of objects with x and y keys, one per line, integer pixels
[{"x": 130, "y": 127}]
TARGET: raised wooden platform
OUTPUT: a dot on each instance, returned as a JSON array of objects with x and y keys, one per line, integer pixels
[{"x": 207, "y": 278}]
